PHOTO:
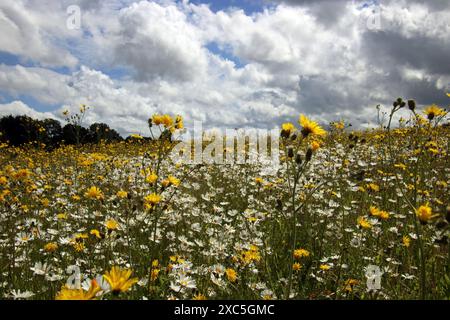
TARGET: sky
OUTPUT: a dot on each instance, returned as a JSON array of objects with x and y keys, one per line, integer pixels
[{"x": 229, "y": 64}]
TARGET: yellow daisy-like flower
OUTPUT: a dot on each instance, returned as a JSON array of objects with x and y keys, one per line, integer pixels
[
  {"x": 299, "y": 253},
  {"x": 154, "y": 274},
  {"x": 373, "y": 187},
  {"x": 112, "y": 224},
  {"x": 315, "y": 145},
  {"x": 287, "y": 129},
  {"x": 3, "y": 180},
  {"x": 384, "y": 215},
  {"x": 406, "y": 241},
  {"x": 374, "y": 211},
  {"x": 119, "y": 279},
  {"x": 424, "y": 213},
  {"x": 171, "y": 181},
  {"x": 349, "y": 284},
  {"x": 157, "y": 119},
  {"x": 122, "y": 194},
  {"x": 179, "y": 122},
  {"x": 259, "y": 180},
  {"x": 339, "y": 125},
  {"x": 364, "y": 223},
  {"x": 325, "y": 267},
  {"x": 199, "y": 296},
  {"x": 96, "y": 233},
  {"x": 94, "y": 193},
  {"x": 151, "y": 178},
  {"x": 231, "y": 275},
  {"x": 51, "y": 247},
  {"x": 151, "y": 200},
  {"x": 310, "y": 127},
  {"x": 433, "y": 111},
  {"x": 79, "y": 294},
  {"x": 296, "y": 266},
  {"x": 167, "y": 121}
]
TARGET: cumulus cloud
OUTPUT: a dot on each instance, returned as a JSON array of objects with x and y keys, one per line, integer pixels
[
  {"x": 158, "y": 42},
  {"x": 30, "y": 34},
  {"x": 18, "y": 108},
  {"x": 229, "y": 68}
]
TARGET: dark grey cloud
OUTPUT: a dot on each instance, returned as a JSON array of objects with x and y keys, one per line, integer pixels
[{"x": 391, "y": 49}]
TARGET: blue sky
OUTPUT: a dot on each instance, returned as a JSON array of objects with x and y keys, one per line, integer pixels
[{"x": 249, "y": 6}]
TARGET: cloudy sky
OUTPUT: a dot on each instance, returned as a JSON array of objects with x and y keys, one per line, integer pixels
[{"x": 227, "y": 63}]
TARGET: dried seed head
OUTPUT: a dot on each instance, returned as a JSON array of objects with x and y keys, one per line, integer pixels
[
  {"x": 290, "y": 152},
  {"x": 308, "y": 155},
  {"x": 298, "y": 158}
]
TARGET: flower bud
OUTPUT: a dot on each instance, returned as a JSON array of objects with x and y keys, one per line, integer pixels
[
  {"x": 298, "y": 158},
  {"x": 411, "y": 105},
  {"x": 290, "y": 152},
  {"x": 308, "y": 155}
]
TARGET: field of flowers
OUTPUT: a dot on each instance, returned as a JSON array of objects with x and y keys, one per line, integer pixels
[{"x": 349, "y": 215}]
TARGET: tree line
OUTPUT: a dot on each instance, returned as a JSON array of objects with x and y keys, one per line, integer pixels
[{"x": 21, "y": 130}]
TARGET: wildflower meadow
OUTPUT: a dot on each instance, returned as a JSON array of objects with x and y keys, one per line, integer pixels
[{"x": 345, "y": 214}]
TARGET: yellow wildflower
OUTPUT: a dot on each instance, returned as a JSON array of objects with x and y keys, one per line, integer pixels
[
  {"x": 112, "y": 224},
  {"x": 122, "y": 194},
  {"x": 79, "y": 294},
  {"x": 424, "y": 213},
  {"x": 310, "y": 127},
  {"x": 296, "y": 266},
  {"x": 406, "y": 241},
  {"x": 364, "y": 223},
  {"x": 51, "y": 247},
  {"x": 231, "y": 275},
  {"x": 433, "y": 111},
  {"x": 119, "y": 279},
  {"x": 299, "y": 253},
  {"x": 94, "y": 193}
]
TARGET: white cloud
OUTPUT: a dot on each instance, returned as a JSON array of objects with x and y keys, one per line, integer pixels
[
  {"x": 294, "y": 60},
  {"x": 18, "y": 108},
  {"x": 31, "y": 34}
]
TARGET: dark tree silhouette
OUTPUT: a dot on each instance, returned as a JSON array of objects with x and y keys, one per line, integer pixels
[
  {"x": 102, "y": 132},
  {"x": 18, "y": 130},
  {"x": 53, "y": 134}
]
